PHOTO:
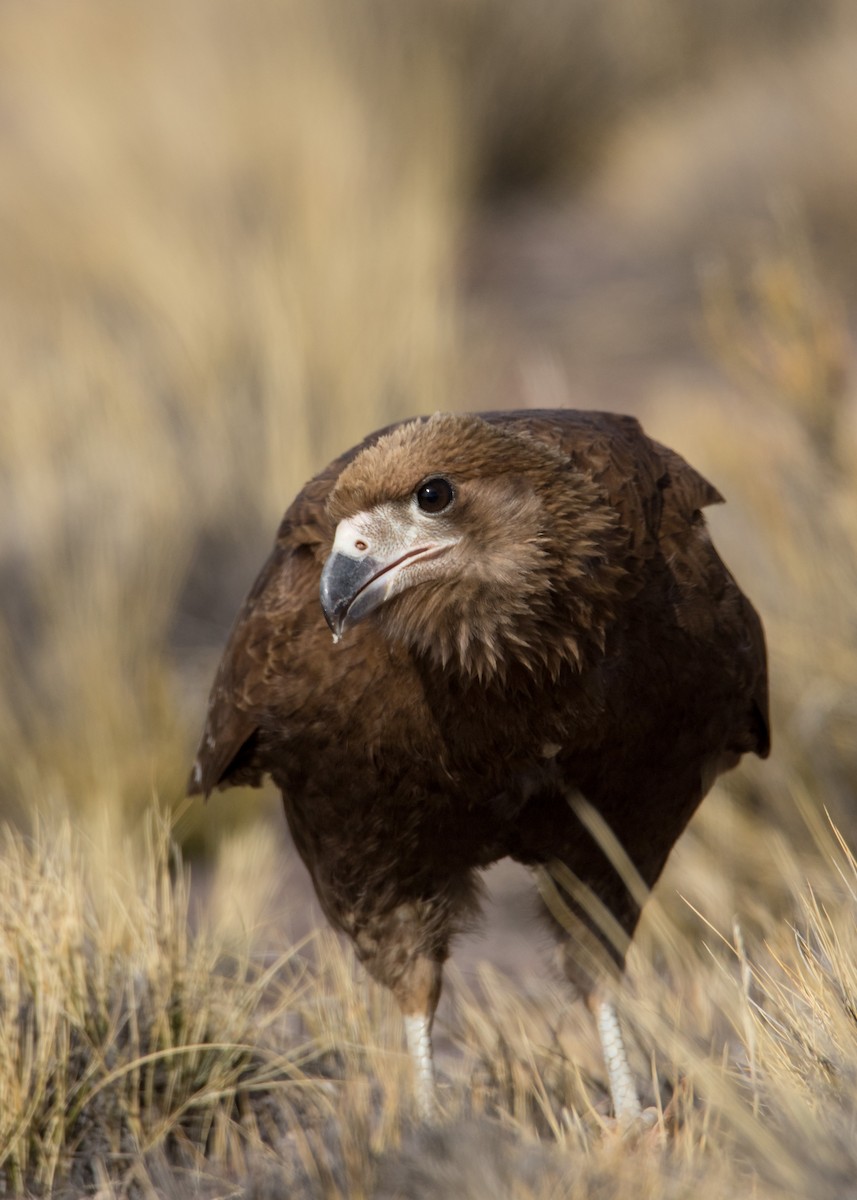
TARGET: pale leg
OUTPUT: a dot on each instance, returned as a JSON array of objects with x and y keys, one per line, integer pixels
[
  {"x": 418, "y": 991},
  {"x": 418, "y": 1034},
  {"x": 623, "y": 1091}
]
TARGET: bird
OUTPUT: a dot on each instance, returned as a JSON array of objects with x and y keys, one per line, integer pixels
[{"x": 485, "y": 636}]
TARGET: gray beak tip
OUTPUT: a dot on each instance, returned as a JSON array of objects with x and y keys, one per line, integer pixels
[{"x": 343, "y": 581}]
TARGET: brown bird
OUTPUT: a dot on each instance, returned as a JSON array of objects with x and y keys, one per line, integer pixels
[{"x": 537, "y": 652}]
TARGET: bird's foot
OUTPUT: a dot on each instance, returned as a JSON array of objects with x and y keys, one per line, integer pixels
[
  {"x": 633, "y": 1129},
  {"x": 650, "y": 1125}
]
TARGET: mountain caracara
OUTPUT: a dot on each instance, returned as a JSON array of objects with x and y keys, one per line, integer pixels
[{"x": 536, "y": 652}]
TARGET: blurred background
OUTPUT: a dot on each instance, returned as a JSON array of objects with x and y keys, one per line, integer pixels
[{"x": 236, "y": 237}]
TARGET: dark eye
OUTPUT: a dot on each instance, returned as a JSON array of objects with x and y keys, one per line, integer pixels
[{"x": 435, "y": 495}]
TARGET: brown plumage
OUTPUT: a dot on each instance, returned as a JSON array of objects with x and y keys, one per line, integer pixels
[{"x": 534, "y": 642}]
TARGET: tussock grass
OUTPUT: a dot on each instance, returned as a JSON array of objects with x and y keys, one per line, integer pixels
[
  {"x": 136, "y": 1055},
  {"x": 120, "y": 1034}
]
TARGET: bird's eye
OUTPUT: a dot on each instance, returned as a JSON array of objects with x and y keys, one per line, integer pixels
[{"x": 435, "y": 495}]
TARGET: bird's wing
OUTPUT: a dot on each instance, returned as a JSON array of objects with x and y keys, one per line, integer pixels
[
  {"x": 688, "y": 491},
  {"x": 259, "y": 637},
  {"x": 698, "y": 571},
  {"x": 254, "y": 670},
  {"x": 659, "y": 497},
  {"x": 257, "y": 651}
]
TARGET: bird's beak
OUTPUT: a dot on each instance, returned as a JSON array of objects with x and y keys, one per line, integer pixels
[
  {"x": 350, "y": 589},
  {"x": 355, "y": 581}
]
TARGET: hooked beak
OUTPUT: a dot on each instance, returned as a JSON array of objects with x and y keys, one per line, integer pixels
[
  {"x": 366, "y": 565},
  {"x": 351, "y": 588}
]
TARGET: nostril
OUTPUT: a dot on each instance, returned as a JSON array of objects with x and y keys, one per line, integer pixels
[{"x": 360, "y": 545}]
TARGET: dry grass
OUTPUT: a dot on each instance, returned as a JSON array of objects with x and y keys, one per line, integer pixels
[
  {"x": 119, "y": 1034},
  {"x": 231, "y": 239},
  {"x": 138, "y": 1057}
]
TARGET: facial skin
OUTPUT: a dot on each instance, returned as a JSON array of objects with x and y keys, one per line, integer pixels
[{"x": 393, "y": 546}]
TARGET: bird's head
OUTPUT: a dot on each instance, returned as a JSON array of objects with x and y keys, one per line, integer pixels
[{"x": 472, "y": 543}]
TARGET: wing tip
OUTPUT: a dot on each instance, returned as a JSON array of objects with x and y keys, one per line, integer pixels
[
  {"x": 196, "y": 784},
  {"x": 762, "y": 729}
]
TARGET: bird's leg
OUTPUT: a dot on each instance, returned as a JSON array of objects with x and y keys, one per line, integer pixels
[
  {"x": 586, "y": 958},
  {"x": 623, "y": 1090},
  {"x": 418, "y": 1034},
  {"x": 418, "y": 991}
]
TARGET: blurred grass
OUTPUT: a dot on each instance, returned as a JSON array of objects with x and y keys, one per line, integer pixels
[{"x": 233, "y": 239}]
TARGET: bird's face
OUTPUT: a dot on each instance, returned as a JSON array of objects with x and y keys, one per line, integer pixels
[
  {"x": 393, "y": 546},
  {"x": 453, "y": 536}
]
